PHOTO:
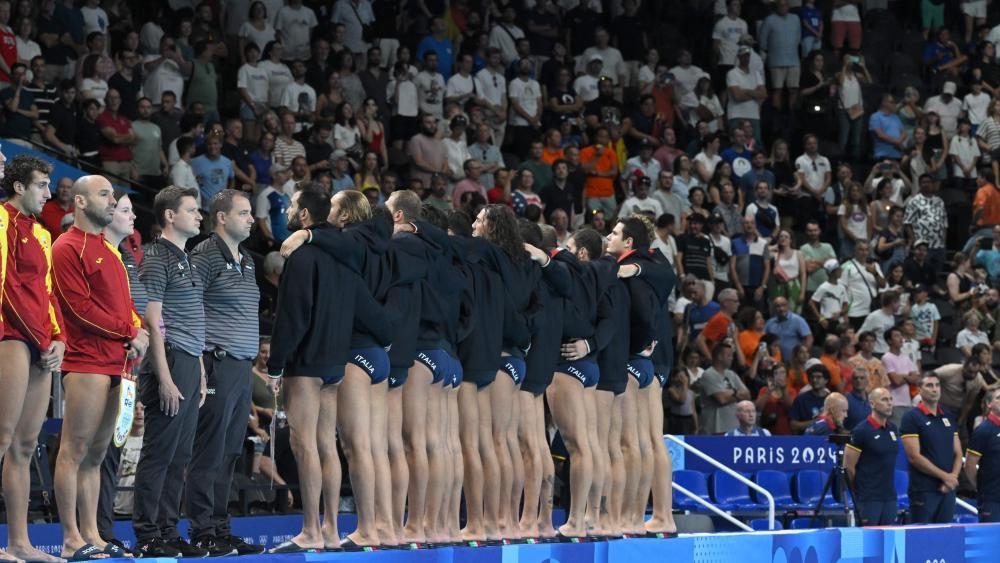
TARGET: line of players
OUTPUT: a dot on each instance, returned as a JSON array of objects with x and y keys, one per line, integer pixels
[{"x": 431, "y": 345}]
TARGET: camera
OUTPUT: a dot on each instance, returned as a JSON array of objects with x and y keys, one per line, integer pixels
[{"x": 839, "y": 439}]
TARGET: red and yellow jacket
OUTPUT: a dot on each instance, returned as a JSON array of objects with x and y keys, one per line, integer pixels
[
  {"x": 4, "y": 222},
  {"x": 93, "y": 292},
  {"x": 29, "y": 309}
]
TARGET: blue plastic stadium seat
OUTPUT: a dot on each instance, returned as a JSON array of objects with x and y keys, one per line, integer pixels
[
  {"x": 776, "y": 483},
  {"x": 966, "y": 519},
  {"x": 902, "y": 483},
  {"x": 806, "y": 523},
  {"x": 809, "y": 486},
  {"x": 731, "y": 494},
  {"x": 694, "y": 481},
  {"x": 760, "y": 524}
]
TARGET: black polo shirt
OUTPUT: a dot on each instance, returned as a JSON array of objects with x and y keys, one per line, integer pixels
[
  {"x": 697, "y": 252},
  {"x": 231, "y": 298},
  {"x": 170, "y": 279},
  {"x": 936, "y": 432},
  {"x": 874, "y": 475},
  {"x": 985, "y": 442},
  {"x": 555, "y": 197},
  {"x": 822, "y": 426}
]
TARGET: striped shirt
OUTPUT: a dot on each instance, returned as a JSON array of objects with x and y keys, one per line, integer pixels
[
  {"x": 231, "y": 298},
  {"x": 284, "y": 152},
  {"x": 135, "y": 287},
  {"x": 170, "y": 279}
]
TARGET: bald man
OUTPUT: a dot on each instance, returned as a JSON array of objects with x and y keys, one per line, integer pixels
[
  {"x": 105, "y": 335},
  {"x": 831, "y": 419},
  {"x": 746, "y": 415},
  {"x": 870, "y": 460}
]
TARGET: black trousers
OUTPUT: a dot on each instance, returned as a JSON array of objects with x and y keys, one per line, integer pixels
[
  {"x": 106, "y": 500},
  {"x": 166, "y": 448},
  {"x": 222, "y": 424}
]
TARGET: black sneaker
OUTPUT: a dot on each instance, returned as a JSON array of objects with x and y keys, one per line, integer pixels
[
  {"x": 187, "y": 550},
  {"x": 216, "y": 547},
  {"x": 155, "y": 547},
  {"x": 242, "y": 547}
]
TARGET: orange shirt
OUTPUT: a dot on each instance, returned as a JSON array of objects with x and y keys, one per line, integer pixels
[
  {"x": 599, "y": 186},
  {"x": 796, "y": 380},
  {"x": 749, "y": 341},
  {"x": 832, "y": 366},
  {"x": 988, "y": 199},
  {"x": 549, "y": 156},
  {"x": 715, "y": 330}
]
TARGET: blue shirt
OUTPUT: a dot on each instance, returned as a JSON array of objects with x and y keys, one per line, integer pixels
[
  {"x": 730, "y": 155},
  {"x": 444, "y": 50},
  {"x": 989, "y": 259},
  {"x": 875, "y": 473},
  {"x": 750, "y": 179},
  {"x": 779, "y": 36},
  {"x": 790, "y": 332},
  {"x": 213, "y": 176},
  {"x": 891, "y": 126},
  {"x": 858, "y": 409},
  {"x": 262, "y": 165},
  {"x": 822, "y": 426},
  {"x": 345, "y": 182},
  {"x": 698, "y": 316},
  {"x": 935, "y": 49},
  {"x": 811, "y": 15},
  {"x": 277, "y": 213},
  {"x": 936, "y": 432},
  {"x": 985, "y": 442},
  {"x": 754, "y": 432},
  {"x": 807, "y": 405}
]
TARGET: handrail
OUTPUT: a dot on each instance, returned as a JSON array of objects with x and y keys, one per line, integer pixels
[
  {"x": 730, "y": 472},
  {"x": 966, "y": 506},
  {"x": 733, "y": 520}
]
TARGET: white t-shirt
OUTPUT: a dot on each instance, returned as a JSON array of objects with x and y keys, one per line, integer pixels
[
  {"x": 586, "y": 87},
  {"x": 27, "y": 50},
  {"x": 95, "y": 89},
  {"x": 949, "y": 112},
  {"x": 430, "y": 92},
  {"x": 295, "y": 25},
  {"x": 459, "y": 85},
  {"x": 456, "y": 153},
  {"x": 504, "y": 37},
  {"x": 877, "y": 323},
  {"x": 614, "y": 64},
  {"x": 708, "y": 162},
  {"x": 493, "y": 86},
  {"x": 278, "y": 77},
  {"x": 726, "y": 246},
  {"x": 846, "y": 13},
  {"x": 255, "y": 80},
  {"x": 528, "y": 95},
  {"x": 182, "y": 175},
  {"x": 975, "y": 106},
  {"x": 685, "y": 79},
  {"x": 298, "y": 97},
  {"x": 406, "y": 103},
  {"x": 258, "y": 37},
  {"x": 345, "y": 137},
  {"x": 749, "y": 109},
  {"x": 814, "y": 175},
  {"x": 728, "y": 32},
  {"x": 965, "y": 338},
  {"x": 94, "y": 19},
  {"x": 166, "y": 76},
  {"x": 634, "y": 205},
  {"x": 831, "y": 298},
  {"x": 964, "y": 149},
  {"x": 861, "y": 287},
  {"x": 857, "y": 221}
]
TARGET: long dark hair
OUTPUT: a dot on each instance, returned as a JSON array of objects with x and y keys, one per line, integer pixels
[{"x": 502, "y": 230}]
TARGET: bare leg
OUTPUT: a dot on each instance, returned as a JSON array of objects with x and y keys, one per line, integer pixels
[
  {"x": 597, "y": 503},
  {"x": 17, "y": 463},
  {"x": 437, "y": 462},
  {"x": 646, "y": 467},
  {"x": 415, "y": 396},
  {"x": 438, "y": 529},
  {"x": 397, "y": 460},
  {"x": 458, "y": 470},
  {"x": 89, "y": 480},
  {"x": 14, "y": 382},
  {"x": 302, "y": 403},
  {"x": 468, "y": 410},
  {"x": 326, "y": 447},
  {"x": 380, "y": 459},
  {"x": 545, "y": 527},
  {"x": 663, "y": 515},
  {"x": 501, "y": 402},
  {"x": 354, "y": 421},
  {"x": 491, "y": 466},
  {"x": 604, "y": 401},
  {"x": 517, "y": 467},
  {"x": 566, "y": 400},
  {"x": 86, "y": 402},
  {"x": 630, "y": 452},
  {"x": 616, "y": 495},
  {"x": 531, "y": 453}
]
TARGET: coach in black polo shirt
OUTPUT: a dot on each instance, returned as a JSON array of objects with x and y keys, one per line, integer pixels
[
  {"x": 870, "y": 460},
  {"x": 231, "y": 336},
  {"x": 930, "y": 438},
  {"x": 172, "y": 378},
  {"x": 982, "y": 459}
]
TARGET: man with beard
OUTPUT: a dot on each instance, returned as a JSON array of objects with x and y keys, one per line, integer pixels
[
  {"x": 427, "y": 151},
  {"x": 310, "y": 349},
  {"x": 172, "y": 378},
  {"x": 605, "y": 110},
  {"x": 299, "y": 97},
  {"x": 33, "y": 342},
  {"x": 231, "y": 336},
  {"x": 871, "y": 461},
  {"x": 105, "y": 335}
]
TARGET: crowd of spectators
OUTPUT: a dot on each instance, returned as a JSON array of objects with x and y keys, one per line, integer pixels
[{"x": 822, "y": 174}]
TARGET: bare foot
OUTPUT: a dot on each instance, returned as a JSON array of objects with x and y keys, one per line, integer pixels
[
  {"x": 360, "y": 541},
  {"x": 29, "y": 553},
  {"x": 572, "y": 532},
  {"x": 655, "y": 525},
  {"x": 472, "y": 535},
  {"x": 4, "y": 556},
  {"x": 309, "y": 541}
]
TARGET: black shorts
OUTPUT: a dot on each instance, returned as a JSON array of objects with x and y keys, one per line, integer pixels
[
  {"x": 438, "y": 362},
  {"x": 36, "y": 354},
  {"x": 642, "y": 370},
  {"x": 614, "y": 381},
  {"x": 514, "y": 367}
]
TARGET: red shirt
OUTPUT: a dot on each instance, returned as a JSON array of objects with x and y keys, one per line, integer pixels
[
  {"x": 113, "y": 151},
  {"x": 93, "y": 292},
  {"x": 716, "y": 329},
  {"x": 29, "y": 308},
  {"x": 52, "y": 216},
  {"x": 8, "y": 50}
]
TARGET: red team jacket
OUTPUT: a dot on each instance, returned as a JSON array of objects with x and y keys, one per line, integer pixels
[{"x": 30, "y": 311}]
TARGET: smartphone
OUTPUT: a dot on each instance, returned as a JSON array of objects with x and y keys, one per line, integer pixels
[{"x": 855, "y": 59}]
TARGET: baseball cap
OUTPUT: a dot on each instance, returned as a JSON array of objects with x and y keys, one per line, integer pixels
[
  {"x": 831, "y": 265},
  {"x": 920, "y": 242},
  {"x": 715, "y": 218},
  {"x": 339, "y": 154},
  {"x": 645, "y": 144},
  {"x": 459, "y": 121},
  {"x": 812, "y": 362},
  {"x": 696, "y": 218},
  {"x": 644, "y": 180},
  {"x": 923, "y": 288},
  {"x": 744, "y": 50},
  {"x": 595, "y": 58},
  {"x": 949, "y": 88}
]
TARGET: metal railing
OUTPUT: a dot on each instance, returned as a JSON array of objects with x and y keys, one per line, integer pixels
[
  {"x": 966, "y": 506},
  {"x": 730, "y": 472}
]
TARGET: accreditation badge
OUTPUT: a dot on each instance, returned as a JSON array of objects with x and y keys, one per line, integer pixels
[
  {"x": 126, "y": 411},
  {"x": 947, "y": 423},
  {"x": 892, "y": 435}
]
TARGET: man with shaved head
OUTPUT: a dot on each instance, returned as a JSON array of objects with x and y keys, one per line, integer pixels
[
  {"x": 870, "y": 460},
  {"x": 104, "y": 336}
]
